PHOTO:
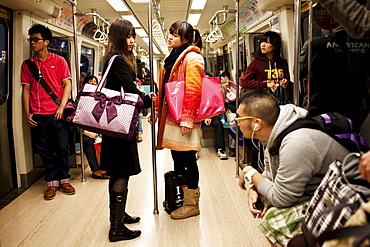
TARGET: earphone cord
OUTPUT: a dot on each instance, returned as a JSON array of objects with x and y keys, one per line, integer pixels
[
  {"x": 259, "y": 162},
  {"x": 253, "y": 141}
]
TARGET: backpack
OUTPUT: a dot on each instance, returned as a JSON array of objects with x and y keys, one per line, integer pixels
[{"x": 332, "y": 123}]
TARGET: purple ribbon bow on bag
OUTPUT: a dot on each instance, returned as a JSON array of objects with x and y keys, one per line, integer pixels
[{"x": 102, "y": 104}]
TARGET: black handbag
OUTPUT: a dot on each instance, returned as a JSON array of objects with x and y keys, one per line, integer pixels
[{"x": 174, "y": 194}]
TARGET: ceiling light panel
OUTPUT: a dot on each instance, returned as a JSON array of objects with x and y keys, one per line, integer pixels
[
  {"x": 131, "y": 19},
  {"x": 198, "y": 4},
  {"x": 118, "y": 5},
  {"x": 141, "y": 32},
  {"x": 193, "y": 19}
]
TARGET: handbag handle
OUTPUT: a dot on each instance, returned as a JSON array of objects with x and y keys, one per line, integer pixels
[
  {"x": 104, "y": 78},
  {"x": 358, "y": 155}
]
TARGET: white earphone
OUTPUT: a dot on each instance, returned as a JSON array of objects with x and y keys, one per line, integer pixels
[{"x": 255, "y": 126}]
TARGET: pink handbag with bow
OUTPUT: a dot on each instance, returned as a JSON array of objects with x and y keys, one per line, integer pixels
[
  {"x": 211, "y": 103},
  {"x": 107, "y": 111}
]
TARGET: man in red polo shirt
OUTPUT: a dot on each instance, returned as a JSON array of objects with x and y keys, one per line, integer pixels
[{"x": 44, "y": 115}]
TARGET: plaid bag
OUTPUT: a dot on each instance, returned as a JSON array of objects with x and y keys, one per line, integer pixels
[{"x": 334, "y": 201}]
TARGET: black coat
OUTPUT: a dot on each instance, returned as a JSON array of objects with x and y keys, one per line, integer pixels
[{"x": 120, "y": 157}]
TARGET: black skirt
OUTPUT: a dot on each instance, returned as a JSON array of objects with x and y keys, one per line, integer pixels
[{"x": 119, "y": 157}]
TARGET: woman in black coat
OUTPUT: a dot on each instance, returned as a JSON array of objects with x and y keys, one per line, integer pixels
[{"x": 120, "y": 157}]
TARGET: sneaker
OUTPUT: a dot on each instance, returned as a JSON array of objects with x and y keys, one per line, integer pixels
[
  {"x": 221, "y": 154},
  {"x": 139, "y": 139},
  {"x": 67, "y": 189},
  {"x": 51, "y": 192}
]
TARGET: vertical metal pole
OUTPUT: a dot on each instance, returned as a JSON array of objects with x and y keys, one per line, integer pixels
[
  {"x": 310, "y": 16},
  {"x": 154, "y": 160},
  {"x": 237, "y": 83},
  {"x": 297, "y": 49},
  {"x": 77, "y": 69}
]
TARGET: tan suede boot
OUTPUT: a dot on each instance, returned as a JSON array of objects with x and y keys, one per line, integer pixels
[{"x": 190, "y": 207}]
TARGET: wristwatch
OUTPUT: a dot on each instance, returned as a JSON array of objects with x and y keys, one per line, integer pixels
[{"x": 248, "y": 176}]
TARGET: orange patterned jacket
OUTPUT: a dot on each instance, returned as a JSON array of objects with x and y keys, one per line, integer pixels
[{"x": 169, "y": 133}]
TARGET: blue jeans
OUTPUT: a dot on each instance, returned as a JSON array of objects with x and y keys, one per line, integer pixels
[
  {"x": 51, "y": 142},
  {"x": 140, "y": 124}
]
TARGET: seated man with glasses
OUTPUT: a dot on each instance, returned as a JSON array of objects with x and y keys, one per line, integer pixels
[{"x": 290, "y": 177}]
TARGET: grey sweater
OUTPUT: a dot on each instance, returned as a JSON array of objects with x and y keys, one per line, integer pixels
[
  {"x": 352, "y": 16},
  {"x": 303, "y": 154}
]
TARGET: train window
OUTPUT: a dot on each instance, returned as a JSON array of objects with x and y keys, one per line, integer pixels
[
  {"x": 87, "y": 61},
  {"x": 3, "y": 57},
  {"x": 61, "y": 47}
]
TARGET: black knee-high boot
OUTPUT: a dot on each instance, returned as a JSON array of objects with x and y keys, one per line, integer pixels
[
  {"x": 127, "y": 219},
  {"x": 118, "y": 231}
]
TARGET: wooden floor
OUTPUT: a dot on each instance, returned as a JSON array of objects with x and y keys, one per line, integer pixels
[{"x": 82, "y": 219}]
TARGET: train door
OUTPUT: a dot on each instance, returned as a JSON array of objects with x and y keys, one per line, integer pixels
[{"x": 7, "y": 160}]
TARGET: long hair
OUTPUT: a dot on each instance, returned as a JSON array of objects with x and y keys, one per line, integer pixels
[
  {"x": 186, "y": 32},
  {"x": 275, "y": 40},
  {"x": 119, "y": 30}
]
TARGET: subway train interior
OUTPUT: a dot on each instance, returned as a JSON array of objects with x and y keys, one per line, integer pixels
[{"x": 80, "y": 35}]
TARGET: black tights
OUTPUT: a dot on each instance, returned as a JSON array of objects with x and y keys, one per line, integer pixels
[
  {"x": 118, "y": 184},
  {"x": 185, "y": 163}
]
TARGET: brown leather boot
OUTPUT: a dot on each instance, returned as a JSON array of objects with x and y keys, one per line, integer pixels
[{"x": 190, "y": 206}]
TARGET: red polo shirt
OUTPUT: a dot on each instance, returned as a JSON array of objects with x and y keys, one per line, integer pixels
[{"x": 54, "y": 70}]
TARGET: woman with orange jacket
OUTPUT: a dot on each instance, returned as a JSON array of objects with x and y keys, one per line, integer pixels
[{"x": 182, "y": 138}]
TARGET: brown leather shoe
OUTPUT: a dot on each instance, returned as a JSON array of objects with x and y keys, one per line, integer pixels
[
  {"x": 67, "y": 189},
  {"x": 51, "y": 192}
]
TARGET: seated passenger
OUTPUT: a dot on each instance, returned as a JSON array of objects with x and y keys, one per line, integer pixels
[
  {"x": 229, "y": 89},
  {"x": 216, "y": 123},
  {"x": 290, "y": 177},
  {"x": 89, "y": 140}
]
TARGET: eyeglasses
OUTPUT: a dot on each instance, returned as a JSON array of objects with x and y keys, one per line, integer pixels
[
  {"x": 238, "y": 119},
  {"x": 33, "y": 40}
]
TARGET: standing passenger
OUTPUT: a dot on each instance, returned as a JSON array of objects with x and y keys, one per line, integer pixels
[
  {"x": 269, "y": 70},
  {"x": 44, "y": 115},
  {"x": 119, "y": 157},
  {"x": 352, "y": 15},
  {"x": 182, "y": 138},
  {"x": 339, "y": 75}
]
